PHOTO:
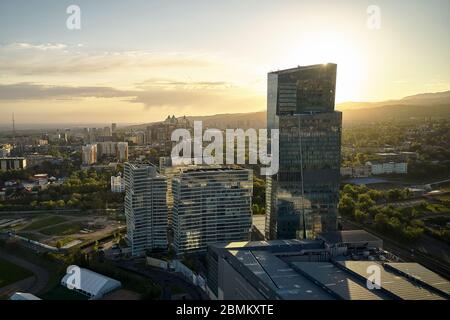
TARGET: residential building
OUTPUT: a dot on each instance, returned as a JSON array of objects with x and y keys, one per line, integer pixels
[
  {"x": 118, "y": 150},
  {"x": 211, "y": 204},
  {"x": 117, "y": 184},
  {"x": 302, "y": 198},
  {"x": 145, "y": 208},
  {"x": 89, "y": 154},
  {"x": 12, "y": 163},
  {"x": 122, "y": 151}
]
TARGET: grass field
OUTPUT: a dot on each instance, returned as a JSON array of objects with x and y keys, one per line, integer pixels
[
  {"x": 10, "y": 273},
  {"x": 44, "y": 222},
  {"x": 63, "y": 229}
]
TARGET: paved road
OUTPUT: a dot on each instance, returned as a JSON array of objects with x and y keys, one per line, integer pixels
[{"x": 40, "y": 278}]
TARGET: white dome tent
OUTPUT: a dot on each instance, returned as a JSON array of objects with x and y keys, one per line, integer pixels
[{"x": 89, "y": 283}]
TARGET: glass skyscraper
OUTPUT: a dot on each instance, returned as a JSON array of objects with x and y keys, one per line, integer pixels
[{"x": 302, "y": 198}]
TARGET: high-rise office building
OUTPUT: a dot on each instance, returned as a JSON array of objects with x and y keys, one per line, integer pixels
[
  {"x": 301, "y": 199},
  {"x": 145, "y": 208},
  {"x": 89, "y": 154},
  {"x": 211, "y": 204}
]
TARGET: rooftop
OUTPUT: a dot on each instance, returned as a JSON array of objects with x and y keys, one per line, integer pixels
[
  {"x": 314, "y": 66},
  {"x": 349, "y": 236}
]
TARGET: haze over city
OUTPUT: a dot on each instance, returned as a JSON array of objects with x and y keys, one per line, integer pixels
[{"x": 135, "y": 64}]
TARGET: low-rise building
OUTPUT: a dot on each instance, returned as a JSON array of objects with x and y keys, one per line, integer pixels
[
  {"x": 356, "y": 172},
  {"x": 117, "y": 184},
  {"x": 308, "y": 270},
  {"x": 388, "y": 168},
  {"x": 89, "y": 283},
  {"x": 12, "y": 163}
]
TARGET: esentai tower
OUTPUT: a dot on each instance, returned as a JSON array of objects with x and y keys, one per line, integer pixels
[{"x": 302, "y": 198}]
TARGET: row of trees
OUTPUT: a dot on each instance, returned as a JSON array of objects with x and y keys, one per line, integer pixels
[
  {"x": 82, "y": 190},
  {"x": 359, "y": 203}
]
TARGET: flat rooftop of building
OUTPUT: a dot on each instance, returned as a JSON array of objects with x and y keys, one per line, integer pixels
[
  {"x": 280, "y": 277},
  {"x": 275, "y": 246},
  {"x": 211, "y": 168},
  {"x": 393, "y": 283},
  {"x": 314, "y": 66},
  {"x": 348, "y": 236},
  {"x": 342, "y": 284},
  {"x": 422, "y": 275}
]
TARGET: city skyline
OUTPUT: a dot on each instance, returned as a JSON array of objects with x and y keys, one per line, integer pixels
[{"x": 144, "y": 68}]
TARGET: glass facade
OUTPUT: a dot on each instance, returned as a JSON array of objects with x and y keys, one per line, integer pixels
[{"x": 301, "y": 200}]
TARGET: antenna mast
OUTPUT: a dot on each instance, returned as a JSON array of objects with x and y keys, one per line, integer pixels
[{"x": 14, "y": 130}]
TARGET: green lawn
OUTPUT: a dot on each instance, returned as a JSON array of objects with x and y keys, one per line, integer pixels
[
  {"x": 44, "y": 222},
  {"x": 10, "y": 273},
  {"x": 63, "y": 229}
]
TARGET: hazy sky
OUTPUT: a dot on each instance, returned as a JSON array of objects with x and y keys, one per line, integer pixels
[{"x": 137, "y": 61}]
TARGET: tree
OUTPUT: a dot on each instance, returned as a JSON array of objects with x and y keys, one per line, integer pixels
[
  {"x": 365, "y": 202},
  {"x": 346, "y": 205},
  {"x": 360, "y": 216}
]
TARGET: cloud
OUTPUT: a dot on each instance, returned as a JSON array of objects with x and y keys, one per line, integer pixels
[
  {"x": 32, "y": 91},
  {"x": 62, "y": 59},
  {"x": 156, "y": 93},
  {"x": 184, "y": 85}
]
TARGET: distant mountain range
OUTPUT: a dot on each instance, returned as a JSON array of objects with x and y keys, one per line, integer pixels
[
  {"x": 424, "y": 105},
  {"x": 438, "y": 98}
]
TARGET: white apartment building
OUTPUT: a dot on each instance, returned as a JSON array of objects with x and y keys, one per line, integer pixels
[
  {"x": 389, "y": 168},
  {"x": 122, "y": 151},
  {"x": 89, "y": 154},
  {"x": 211, "y": 204},
  {"x": 113, "y": 149},
  {"x": 117, "y": 184},
  {"x": 145, "y": 208}
]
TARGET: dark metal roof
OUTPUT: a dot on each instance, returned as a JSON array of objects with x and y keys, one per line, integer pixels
[
  {"x": 349, "y": 236},
  {"x": 396, "y": 285},
  {"x": 421, "y": 274},
  {"x": 339, "y": 282}
]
